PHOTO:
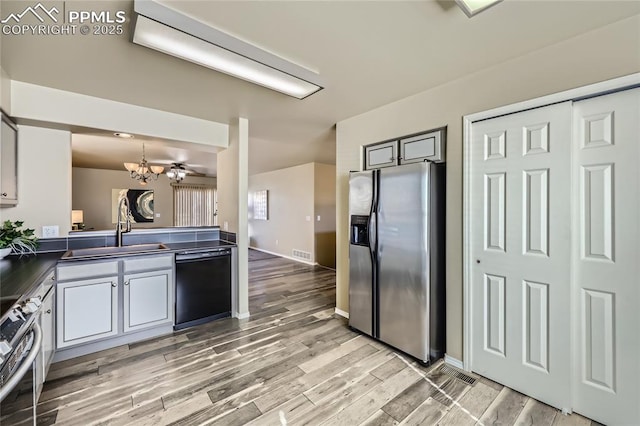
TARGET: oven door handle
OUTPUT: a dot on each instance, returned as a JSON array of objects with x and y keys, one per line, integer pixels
[{"x": 24, "y": 367}]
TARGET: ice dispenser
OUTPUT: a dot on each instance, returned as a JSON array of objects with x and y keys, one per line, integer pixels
[{"x": 359, "y": 230}]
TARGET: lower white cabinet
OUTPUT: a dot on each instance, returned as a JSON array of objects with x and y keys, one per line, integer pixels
[
  {"x": 97, "y": 300},
  {"x": 87, "y": 310},
  {"x": 148, "y": 299},
  {"x": 47, "y": 324}
]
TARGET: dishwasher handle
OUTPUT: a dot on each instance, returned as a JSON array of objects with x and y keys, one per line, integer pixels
[{"x": 190, "y": 257}]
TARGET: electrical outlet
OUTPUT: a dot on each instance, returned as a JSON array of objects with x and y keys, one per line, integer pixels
[
  {"x": 50, "y": 231},
  {"x": 226, "y": 225},
  {"x": 277, "y": 242},
  {"x": 157, "y": 214},
  {"x": 308, "y": 218}
]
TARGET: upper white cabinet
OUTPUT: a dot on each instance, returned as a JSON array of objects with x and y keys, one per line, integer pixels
[
  {"x": 8, "y": 162},
  {"x": 427, "y": 146},
  {"x": 424, "y": 147},
  {"x": 381, "y": 155}
]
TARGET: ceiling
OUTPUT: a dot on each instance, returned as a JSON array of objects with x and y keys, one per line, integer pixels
[
  {"x": 105, "y": 151},
  {"x": 368, "y": 53}
]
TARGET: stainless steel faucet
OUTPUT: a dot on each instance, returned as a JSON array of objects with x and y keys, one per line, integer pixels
[{"x": 119, "y": 230}]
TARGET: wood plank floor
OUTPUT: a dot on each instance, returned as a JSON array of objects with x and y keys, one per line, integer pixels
[{"x": 292, "y": 362}]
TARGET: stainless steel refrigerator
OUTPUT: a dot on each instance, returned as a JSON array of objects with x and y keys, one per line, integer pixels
[{"x": 396, "y": 257}]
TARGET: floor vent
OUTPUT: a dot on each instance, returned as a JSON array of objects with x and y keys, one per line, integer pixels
[
  {"x": 301, "y": 254},
  {"x": 457, "y": 374}
]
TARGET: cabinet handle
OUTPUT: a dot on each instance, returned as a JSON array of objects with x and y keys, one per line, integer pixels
[
  {"x": 53, "y": 277},
  {"x": 126, "y": 282},
  {"x": 114, "y": 284},
  {"x": 48, "y": 311},
  {"x": 4, "y": 194}
]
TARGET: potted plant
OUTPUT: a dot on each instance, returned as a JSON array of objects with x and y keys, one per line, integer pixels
[{"x": 17, "y": 240}]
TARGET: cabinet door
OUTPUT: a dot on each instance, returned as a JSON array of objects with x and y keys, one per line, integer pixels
[
  {"x": 8, "y": 163},
  {"x": 427, "y": 146},
  {"x": 87, "y": 310},
  {"x": 148, "y": 299},
  {"x": 381, "y": 155},
  {"x": 47, "y": 324}
]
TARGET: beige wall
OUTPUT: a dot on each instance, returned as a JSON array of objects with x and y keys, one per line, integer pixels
[
  {"x": 297, "y": 196},
  {"x": 227, "y": 170},
  {"x": 44, "y": 180},
  {"x": 602, "y": 54},
  {"x": 91, "y": 193},
  {"x": 5, "y": 91},
  {"x": 290, "y": 204},
  {"x": 325, "y": 209}
]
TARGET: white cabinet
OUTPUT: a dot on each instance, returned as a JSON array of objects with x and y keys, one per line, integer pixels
[
  {"x": 148, "y": 299},
  {"x": 47, "y": 324},
  {"x": 8, "y": 162},
  {"x": 88, "y": 310},
  {"x": 381, "y": 155},
  {"x": 424, "y": 147},
  {"x": 98, "y": 300}
]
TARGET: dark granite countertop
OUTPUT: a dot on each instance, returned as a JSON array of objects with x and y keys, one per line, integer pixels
[
  {"x": 19, "y": 275},
  {"x": 199, "y": 245}
]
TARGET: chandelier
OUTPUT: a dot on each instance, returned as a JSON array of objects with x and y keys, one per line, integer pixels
[
  {"x": 177, "y": 172},
  {"x": 143, "y": 171}
]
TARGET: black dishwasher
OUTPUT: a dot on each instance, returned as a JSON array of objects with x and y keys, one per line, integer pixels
[{"x": 203, "y": 287}]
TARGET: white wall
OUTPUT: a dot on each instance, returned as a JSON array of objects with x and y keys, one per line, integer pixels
[
  {"x": 44, "y": 179},
  {"x": 92, "y": 194},
  {"x": 605, "y": 53}
]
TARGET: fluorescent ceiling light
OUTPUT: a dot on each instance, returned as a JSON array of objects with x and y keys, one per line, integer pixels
[
  {"x": 170, "y": 32},
  {"x": 473, "y": 7}
]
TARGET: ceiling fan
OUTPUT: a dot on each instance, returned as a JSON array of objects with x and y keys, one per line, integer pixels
[{"x": 177, "y": 172}]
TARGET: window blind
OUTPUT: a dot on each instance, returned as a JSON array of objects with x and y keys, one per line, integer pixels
[{"x": 194, "y": 205}]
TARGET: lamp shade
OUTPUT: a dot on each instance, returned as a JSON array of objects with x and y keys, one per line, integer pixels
[{"x": 77, "y": 216}]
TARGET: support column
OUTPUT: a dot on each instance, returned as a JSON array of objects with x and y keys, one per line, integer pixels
[{"x": 233, "y": 177}]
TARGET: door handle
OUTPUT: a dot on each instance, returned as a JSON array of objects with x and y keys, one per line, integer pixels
[{"x": 4, "y": 194}]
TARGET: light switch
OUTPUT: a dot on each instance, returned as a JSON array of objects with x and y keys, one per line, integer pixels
[
  {"x": 50, "y": 231},
  {"x": 318, "y": 218}
]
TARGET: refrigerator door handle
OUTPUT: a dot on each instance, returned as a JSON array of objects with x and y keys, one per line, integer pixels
[{"x": 373, "y": 224}]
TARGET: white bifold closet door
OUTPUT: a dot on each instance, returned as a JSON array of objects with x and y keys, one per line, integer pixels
[
  {"x": 521, "y": 249},
  {"x": 606, "y": 244},
  {"x": 555, "y": 273}
]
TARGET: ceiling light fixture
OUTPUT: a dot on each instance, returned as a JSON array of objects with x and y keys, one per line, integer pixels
[
  {"x": 177, "y": 172},
  {"x": 473, "y": 7},
  {"x": 143, "y": 171},
  {"x": 166, "y": 30},
  {"x": 123, "y": 135}
]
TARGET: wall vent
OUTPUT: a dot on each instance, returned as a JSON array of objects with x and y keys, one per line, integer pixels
[{"x": 301, "y": 254}]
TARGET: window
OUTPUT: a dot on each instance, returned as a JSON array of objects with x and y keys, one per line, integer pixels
[
  {"x": 261, "y": 205},
  {"x": 194, "y": 205}
]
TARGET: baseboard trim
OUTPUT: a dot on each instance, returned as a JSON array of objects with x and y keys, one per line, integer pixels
[
  {"x": 284, "y": 255},
  {"x": 453, "y": 362},
  {"x": 243, "y": 315},
  {"x": 342, "y": 313}
]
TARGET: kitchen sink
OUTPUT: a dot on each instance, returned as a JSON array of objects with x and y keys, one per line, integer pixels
[{"x": 113, "y": 251}]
